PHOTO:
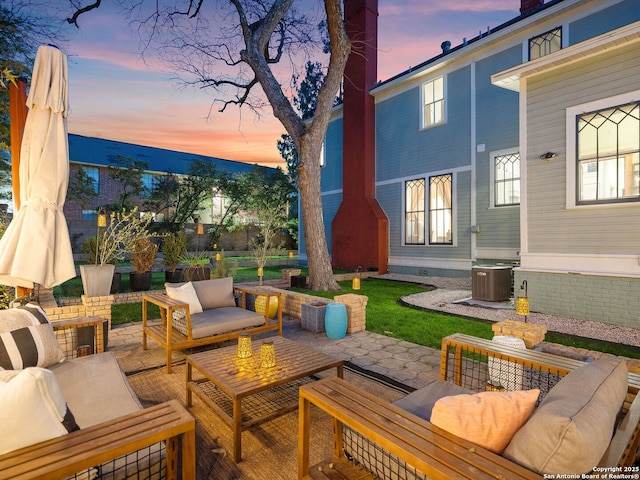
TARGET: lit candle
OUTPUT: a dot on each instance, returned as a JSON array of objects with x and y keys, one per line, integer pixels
[
  {"x": 267, "y": 354},
  {"x": 244, "y": 346}
]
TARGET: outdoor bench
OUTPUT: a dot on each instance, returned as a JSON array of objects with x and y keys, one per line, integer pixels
[
  {"x": 373, "y": 438},
  {"x": 221, "y": 316},
  {"x": 105, "y": 432}
]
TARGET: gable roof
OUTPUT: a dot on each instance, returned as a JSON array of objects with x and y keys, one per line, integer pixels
[{"x": 102, "y": 153}]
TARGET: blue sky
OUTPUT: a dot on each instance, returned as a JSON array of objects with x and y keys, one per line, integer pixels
[{"x": 116, "y": 95}]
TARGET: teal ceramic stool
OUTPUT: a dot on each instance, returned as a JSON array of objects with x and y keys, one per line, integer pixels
[{"x": 335, "y": 320}]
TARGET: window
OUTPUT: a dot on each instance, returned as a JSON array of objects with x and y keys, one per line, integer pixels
[
  {"x": 94, "y": 174},
  {"x": 440, "y": 210},
  {"x": 545, "y": 44},
  {"x": 148, "y": 182},
  {"x": 506, "y": 187},
  {"x": 433, "y": 102},
  {"x": 608, "y": 153},
  {"x": 414, "y": 212}
]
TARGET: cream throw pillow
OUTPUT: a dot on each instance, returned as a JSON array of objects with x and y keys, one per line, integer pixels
[
  {"x": 489, "y": 419},
  {"x": 32, "y": 408},
  {"x": 186, "y": 294}
]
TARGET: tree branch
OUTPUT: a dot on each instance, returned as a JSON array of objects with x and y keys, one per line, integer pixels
[{"x": 73, "y": 20}]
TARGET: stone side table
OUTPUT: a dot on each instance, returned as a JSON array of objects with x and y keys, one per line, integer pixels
[{"x": 312, "y": 317}]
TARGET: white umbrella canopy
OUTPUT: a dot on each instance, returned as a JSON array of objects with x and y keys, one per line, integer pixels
[{"x": 36, "y": 248}]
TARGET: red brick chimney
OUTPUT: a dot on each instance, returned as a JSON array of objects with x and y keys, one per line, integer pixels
[
  {"x": 527, "y": 5},
  {"x": 360, "y": 230}
]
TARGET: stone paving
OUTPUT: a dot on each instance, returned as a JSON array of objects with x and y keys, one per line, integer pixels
[{"x": 411, "y": 364}]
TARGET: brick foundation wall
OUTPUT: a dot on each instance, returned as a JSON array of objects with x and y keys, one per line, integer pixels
[{"x": 612, "y": 300}]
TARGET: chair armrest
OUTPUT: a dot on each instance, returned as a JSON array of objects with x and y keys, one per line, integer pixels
[
  {"x": 66, "y": 334},
  {"x": 90, "y": 447}
]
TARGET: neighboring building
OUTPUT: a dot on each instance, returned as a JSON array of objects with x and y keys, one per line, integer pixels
[
  {"x": 95, "y": 155},
  {"x": 456, "y": 157}
]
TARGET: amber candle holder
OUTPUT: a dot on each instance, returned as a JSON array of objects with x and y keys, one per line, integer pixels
[
  {"x": 267, "y": 354},
  {"x": 244, "y": 346}
]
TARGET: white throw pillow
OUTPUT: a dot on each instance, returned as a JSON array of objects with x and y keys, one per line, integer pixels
[
  {"x": 187, "y": 294},
  {"x": 32, "y": 408}
]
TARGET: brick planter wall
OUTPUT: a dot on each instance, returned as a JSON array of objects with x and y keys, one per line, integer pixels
[{"x": 356, "y": 311}]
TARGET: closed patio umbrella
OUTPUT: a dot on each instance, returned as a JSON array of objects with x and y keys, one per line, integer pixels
[{"x": 36, "y": 248}]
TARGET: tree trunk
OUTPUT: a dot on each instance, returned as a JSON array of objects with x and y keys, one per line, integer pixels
[{"x": 315, "y": 238}]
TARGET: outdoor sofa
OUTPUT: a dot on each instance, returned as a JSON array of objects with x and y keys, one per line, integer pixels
[
  {"x": 66, "y": 417},
  {"x": 567, "y": 417},
  {"x": 205, "y": 312}
]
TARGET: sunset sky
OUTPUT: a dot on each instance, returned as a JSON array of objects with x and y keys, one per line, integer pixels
[{"x": 115, "y": 95}]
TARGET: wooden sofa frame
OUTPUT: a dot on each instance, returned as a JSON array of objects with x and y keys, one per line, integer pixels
[
  {"x": 75, "y": 452},
  {"x": 430, "y": 450},
  {"x": 172, "y": 340}
]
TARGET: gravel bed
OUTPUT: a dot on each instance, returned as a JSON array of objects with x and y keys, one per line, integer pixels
[{"x": 451, "y": 290}]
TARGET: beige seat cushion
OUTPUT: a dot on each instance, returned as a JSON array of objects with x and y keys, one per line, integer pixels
[
  {"x": 95, "y": 388},
  {"x": 215, "y": 293},
  {"x": 571, "y": 429},
  {"x": 223, "y": 320}
]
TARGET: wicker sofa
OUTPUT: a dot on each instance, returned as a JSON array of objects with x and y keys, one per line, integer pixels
[
  {"x": 78, "y": 417},
  {"x": 586, "y": 420},
  {"x": 205, "y": 312}
]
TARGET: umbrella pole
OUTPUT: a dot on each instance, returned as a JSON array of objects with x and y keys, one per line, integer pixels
[{"x": 17, "y": 119}]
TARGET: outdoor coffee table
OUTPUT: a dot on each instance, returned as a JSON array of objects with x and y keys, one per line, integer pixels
[{"x": 243, "y": 393}]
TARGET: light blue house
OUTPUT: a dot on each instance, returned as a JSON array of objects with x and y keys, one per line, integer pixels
[{"x": 481, "y": 158}]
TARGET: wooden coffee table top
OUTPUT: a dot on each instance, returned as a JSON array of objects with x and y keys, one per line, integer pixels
[{"x": 239, "y": 377}]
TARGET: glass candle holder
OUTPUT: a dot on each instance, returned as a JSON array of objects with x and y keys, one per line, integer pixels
[
  {"x": 267, "y": 354},
  {"x": 522, "y": 306},
  {"x": 244, "y": 346}
]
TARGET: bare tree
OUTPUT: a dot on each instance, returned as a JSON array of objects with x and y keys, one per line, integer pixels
[{"x": 244, "y": 53}]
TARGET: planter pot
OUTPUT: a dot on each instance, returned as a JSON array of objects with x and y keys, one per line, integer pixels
[
  {"x": 312, "y": 316},
  {"x": 174, "y": 277},
  {"x": 97, "y": 279},
  {"x": 194, "y": 274},
  {"x": 140, "y": 282},
  {"x": 116, "y": 282}
]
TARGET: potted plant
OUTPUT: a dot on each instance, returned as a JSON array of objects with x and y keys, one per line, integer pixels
[
  {"x": 174, "y": 249},
  {"x": 89, "y": 248},
  {"x": 197, "y": 266},
  {"x": 113, "y": 239},
  {"x": 143, "y": 256}
]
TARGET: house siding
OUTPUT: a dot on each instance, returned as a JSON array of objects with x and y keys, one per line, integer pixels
[
  {"x": 497, "y": 130},
  {"x": 612, "y": 229},
  {"x": 605, "y": 20}
]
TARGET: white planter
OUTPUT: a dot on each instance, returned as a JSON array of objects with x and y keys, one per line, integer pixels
[{"x": 96, "y": 279}]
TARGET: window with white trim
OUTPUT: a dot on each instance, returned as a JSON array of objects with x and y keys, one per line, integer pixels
[
  {"x": 506, "y": 179},
  {"x": 608, "y": 155},
  {"x": 441, "y": 210},
  {"x": 414, "y": 206},
  {"x": 433, "y": 98},
  {"x": 544, "y": 44}
]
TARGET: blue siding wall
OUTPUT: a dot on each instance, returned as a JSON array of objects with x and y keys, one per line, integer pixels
[
  {"x": 497, "y": 128},
  {"x": 605, "y": 20},
  {"x": 403, "y": 150},
  {"x": 332, "y": 171}
]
